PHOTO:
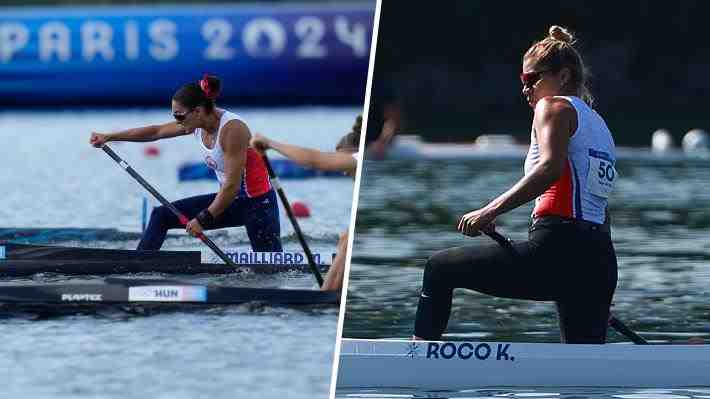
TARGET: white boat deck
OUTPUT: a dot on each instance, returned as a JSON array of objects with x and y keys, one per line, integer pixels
[{"x": 466, "y": 365}]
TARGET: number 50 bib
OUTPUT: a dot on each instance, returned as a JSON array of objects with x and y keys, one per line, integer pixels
[{"x": 602, "y": 174}]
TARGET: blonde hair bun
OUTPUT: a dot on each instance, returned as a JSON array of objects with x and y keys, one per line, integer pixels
[{"x": 559, "y": 33}]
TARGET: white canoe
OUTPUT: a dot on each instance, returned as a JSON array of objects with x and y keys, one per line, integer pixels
[{"x": 462, "y": 365}]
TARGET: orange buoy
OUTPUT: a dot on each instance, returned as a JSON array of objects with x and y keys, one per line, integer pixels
[
  {"x": 300, "y": 210},
  {"x": 151, "y": 151}
]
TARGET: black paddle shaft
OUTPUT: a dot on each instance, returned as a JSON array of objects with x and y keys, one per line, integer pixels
[
  {"x": 183, "y": 219},
  {"x": 615, "y": 323},
  {"x": 287, "y": 206}
]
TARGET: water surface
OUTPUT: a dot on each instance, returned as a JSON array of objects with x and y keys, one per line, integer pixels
[{"x": 53, "y": 178}]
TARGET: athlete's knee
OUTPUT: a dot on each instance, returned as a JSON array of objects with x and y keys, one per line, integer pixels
[
  {"x": 435, "y": 269},
  {"x": 160, "y": 214},
  {"x": 441, "y": 261}
]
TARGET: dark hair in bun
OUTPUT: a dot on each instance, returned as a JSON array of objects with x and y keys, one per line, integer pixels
[
  {"x": 557, "y": 51},
  {"x": 203, "y": 93},
  {"x": 351, "y": 141}
]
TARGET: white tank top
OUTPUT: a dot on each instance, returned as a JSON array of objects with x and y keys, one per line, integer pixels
[
  {"x": 583, "y": 190},
  {"x": 255, "y": 176}
]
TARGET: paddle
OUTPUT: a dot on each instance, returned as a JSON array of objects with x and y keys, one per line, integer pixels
[
  {"x": 183, "y": 219},
  {"x": 615, "y": 323},
  {"x": 277, "y": 185}
]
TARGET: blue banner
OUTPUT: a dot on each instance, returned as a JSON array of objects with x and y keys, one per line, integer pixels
[{"x": 141, "y": 55}]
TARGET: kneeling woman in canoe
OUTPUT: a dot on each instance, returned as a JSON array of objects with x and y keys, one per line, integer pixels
[
  {"x": 569, "y": 171},
  {"x": 245, "y": 196},
  {"x": 345, "y": 160}
]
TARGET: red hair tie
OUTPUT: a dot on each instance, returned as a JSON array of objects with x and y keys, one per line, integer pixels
[{"x": 205, "y": 86}]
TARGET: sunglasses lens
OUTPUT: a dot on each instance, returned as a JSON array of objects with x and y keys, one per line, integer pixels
[
  {"x": 529, "y": 79},
  {"x": 181, "y": 117}
]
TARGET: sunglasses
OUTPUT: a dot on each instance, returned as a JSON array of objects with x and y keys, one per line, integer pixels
[
  {"x": 529, "y": 79},
  {"x": 181, "y": 117}
]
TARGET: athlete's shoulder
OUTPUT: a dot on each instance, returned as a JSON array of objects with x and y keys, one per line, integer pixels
[
  {"x": 228, "y": 115},
  {"x": 554, "y": 105},
  {"x": 234, "y": 135},
  {"x": 554, "y": 110},
  {"x": 235, "y": 125}
]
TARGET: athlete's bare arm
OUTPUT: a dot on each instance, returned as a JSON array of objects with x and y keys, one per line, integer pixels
[
  {"x": 234, "y": 139},
  {"x": 140, "y": 134},
  {"x": 555, "y": 121},
  {"x": 310, "y": 158},
  {"x": 334, "y": 279}
]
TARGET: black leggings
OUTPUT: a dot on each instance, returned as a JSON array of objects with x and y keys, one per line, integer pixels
[{"x": 572, "y": 266}]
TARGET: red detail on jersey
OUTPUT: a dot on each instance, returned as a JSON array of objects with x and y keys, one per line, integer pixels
[
  {"x": 558, "y": 199},
  {"x": 256, "y": 177}
]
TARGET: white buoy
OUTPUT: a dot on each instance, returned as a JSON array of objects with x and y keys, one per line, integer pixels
[
  {"x": 696, "y": 140},
  {"x": 661, "y": 141},
  {"x": 495, "y": 140}
]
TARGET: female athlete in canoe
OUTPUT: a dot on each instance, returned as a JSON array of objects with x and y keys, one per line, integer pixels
[
  {"x": 345, "y": 160},
  {"x": 245, "y": 196},
  {"x": 569, "y": 171}
]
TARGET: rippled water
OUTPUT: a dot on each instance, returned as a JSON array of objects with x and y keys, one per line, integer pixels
[
  {"x": 53, "y": 178},
  {"x": 408, "y": 210}
]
